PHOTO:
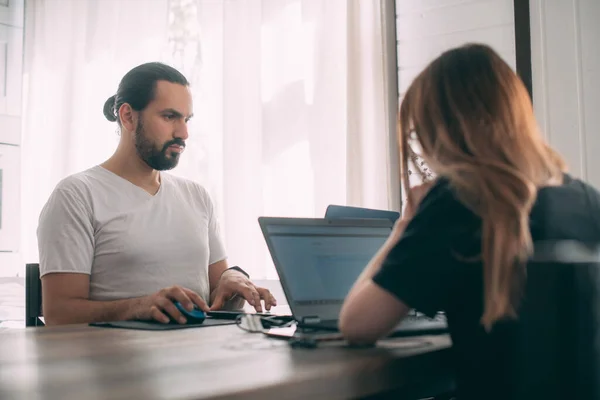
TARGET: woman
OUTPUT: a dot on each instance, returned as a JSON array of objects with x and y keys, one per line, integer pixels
[{"x": 463, "y": 241}]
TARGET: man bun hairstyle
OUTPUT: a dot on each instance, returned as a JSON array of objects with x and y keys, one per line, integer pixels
[
  {"x": 137, "y": 88},
  {"x": 109, "y": 109}
]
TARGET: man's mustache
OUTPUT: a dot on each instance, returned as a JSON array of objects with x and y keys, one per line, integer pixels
[{"x": 174, "y": 142}]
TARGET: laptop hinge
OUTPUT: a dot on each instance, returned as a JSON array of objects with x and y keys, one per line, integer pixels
[{"x": 311, "y": 320}]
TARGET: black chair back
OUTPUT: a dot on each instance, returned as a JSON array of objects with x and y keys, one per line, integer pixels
[
  {"x": 33, "y": 295},
  {"x": 557, "y": 348}
]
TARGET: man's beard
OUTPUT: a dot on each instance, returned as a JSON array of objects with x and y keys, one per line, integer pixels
[{"x": 160, "y": 160}]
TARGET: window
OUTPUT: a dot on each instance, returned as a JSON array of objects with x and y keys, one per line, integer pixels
[{"x": 289, "y": 116}]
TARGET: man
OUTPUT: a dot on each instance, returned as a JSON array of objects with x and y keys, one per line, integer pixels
[{"x": 124, "y": 240}]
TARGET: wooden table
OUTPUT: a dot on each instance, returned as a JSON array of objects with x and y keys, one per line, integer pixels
[{"x": 82, "y": 362}]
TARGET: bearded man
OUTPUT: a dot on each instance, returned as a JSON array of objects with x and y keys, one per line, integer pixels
[{"x": 125, "y": 240}]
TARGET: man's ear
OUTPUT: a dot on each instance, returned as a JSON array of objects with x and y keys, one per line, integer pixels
[{"x": 128, "y": 117}]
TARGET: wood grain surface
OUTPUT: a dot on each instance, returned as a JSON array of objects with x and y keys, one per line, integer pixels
[{"x": 83, "y": 362}]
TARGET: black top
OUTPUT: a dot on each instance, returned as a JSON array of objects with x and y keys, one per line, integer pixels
[{"x": 424, "y": 272}]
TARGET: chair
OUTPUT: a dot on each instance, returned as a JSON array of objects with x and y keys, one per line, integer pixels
[
  {"x": 551, "y": 351},
  {"x": 33, "y": 296},
  {"x": 555, "y": 346},
  {"x": 557, "y": 352}
]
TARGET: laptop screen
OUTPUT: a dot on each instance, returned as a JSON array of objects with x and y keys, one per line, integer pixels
[
  {"x": 335, "y": 211},
  {"x": 319, "y": 264}
]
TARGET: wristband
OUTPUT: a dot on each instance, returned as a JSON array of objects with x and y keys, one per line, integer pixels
[{"x": 235, "y": 267}]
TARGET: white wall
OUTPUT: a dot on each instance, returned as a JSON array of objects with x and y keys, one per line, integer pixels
[
  {"x": 426, "y": 28},
  {"x": 565, "y": 61},
  {"x": 566, "y": 86},
  {"x": 11, "y": 68}
]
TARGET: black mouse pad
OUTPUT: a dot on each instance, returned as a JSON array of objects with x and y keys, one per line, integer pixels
[{"x": 157, "y": 326}]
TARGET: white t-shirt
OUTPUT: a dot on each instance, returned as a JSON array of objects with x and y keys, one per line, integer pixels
[{"x": 130, "y": 242}]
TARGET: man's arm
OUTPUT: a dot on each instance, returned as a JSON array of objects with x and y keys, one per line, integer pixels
[
  {"x": 66, "y": 301},
  {"x": 215, "y": 272},
  {"x": 229, "y": 289}
]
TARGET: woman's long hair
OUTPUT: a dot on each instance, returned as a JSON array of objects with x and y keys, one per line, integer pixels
[{"x": 474, "y": 121}]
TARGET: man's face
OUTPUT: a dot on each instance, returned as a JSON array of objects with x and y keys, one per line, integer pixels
[{"x": 162, "y": 126}]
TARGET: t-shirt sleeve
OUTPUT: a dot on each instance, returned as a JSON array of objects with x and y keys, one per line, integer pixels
[
  {"x": 215, "y": 240},
  {"x": 419, "y": 269},
  {"x": 65, "y": 234}
]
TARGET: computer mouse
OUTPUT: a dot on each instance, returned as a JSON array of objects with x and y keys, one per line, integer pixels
[{"x": 196, "y": 316}]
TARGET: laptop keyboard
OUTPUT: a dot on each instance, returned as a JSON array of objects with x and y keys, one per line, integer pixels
[
  {"x": 413, "y": 324},
  {"x": 421, "y": 324}
]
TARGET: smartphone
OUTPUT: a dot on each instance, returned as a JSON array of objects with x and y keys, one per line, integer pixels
[
  {"x": 286, "y": 332},
  {"x": 234, "y": 314},
  {"x": 295, "y": 332}
]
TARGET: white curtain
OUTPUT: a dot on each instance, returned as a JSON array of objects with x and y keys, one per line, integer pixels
[{"x": 289, "y": 98}]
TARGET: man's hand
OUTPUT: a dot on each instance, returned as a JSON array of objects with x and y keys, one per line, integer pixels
[
  {"x": 160, "y": 305},
  {"x": 233, "y": 283}
]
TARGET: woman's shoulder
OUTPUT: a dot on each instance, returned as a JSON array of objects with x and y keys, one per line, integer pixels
[
  {"x": 442, "y": 211},
  {"x": 442, "y": 198}
]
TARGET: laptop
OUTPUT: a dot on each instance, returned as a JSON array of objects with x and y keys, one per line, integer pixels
[
  {"x": 337, "y": 211},
  {"x": 334, "y": 211},
  {"x": 318, "y": 260}
]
